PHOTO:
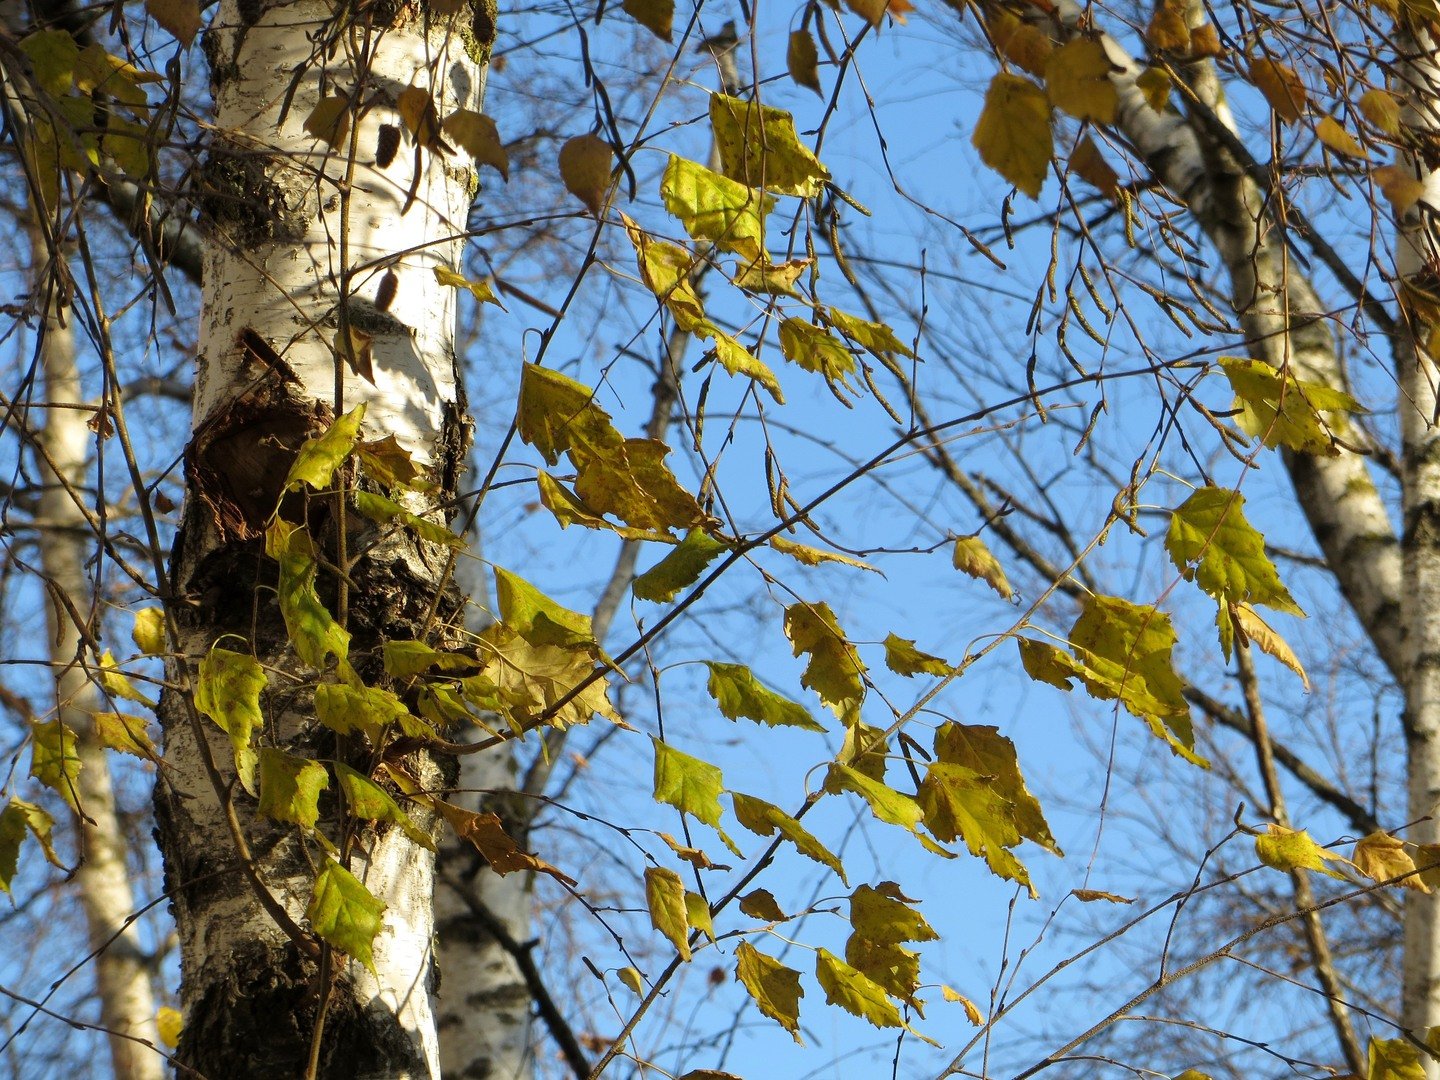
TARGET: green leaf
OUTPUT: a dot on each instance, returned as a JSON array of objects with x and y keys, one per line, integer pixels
[
  {"x": 1283, "y": 410},
  {"x": 738, "y": 360},
  {"x": 380, "y": 509},
  {"x": 854, "y": 992},
  {"x": 763, "y": 819},
  {"x": 690, "y": 785},
  {"x": 54, "y": 758},
  {"x": 759, "y": 147},
  {"x": 227, "y": 690},
  {"x": 697, "y": 914},
  {"x": 18, "y": 820},
  {"x": 1287, "y": 850},
  {"x": 479, "y": 289},
  {"x": 815, "y": 350},
  {"x": 774, "y": 988},
  {"x": 311, "y": 628},
  {"x": 537, "y": 618},
  {"x": 125, "y": 734},
  {"x": 52, "y": 55},
  {"x": 886, "y": 803},
  {"x": 873, "y": 336},
  {"x": 148, "y": 632},
  {"x": 343, "y": 912},
  {"x": 319, "y": 457},
  {"x": 665, "y": 897},
  {"x": 738, "y": 693},
  {"x": 117, "y": 684},
  {"x": 1394, "y": 1059},
  {"x": 403, "y": 659},
  {"x": 290, "y": 787},
  {"x": 903, "y": 658},
  {"x": 716, "y": 208},
  {"x": 972, "y": 557},
  {"x": 1013, "y": 133},
  {"x": 1210, "y": 540},
  {"x": 680, "y": 569},
  {"x": 346, "y": 709},
  {"x": 835, "y": 669},
  {"x": 368, "y": 800}
]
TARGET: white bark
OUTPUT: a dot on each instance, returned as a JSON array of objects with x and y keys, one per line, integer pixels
[
  {"x": 122, "y": 971},
  {"x": 1284, "y": 323},
  {"x": 1417, "y": 254},
  {"x": 286, "y": 240}
]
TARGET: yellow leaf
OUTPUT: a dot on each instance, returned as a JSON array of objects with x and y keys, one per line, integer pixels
[
  {"x": 170, "y": 1024},
  {"x": 738, "y": 360},
  {"x": 665, "y": 897},
  {"x": 802, "y": 60},
  {"x": 329, "y": 121},
  {"x": 368, "y": 801},
  {"x": 227, "y": 690},
  {"x": 1283, "y": 410},
  {"x": 874, "y": 11},
  {"x": 319, "y": 457},
  {"x": 1154, "y": 83},
  {"x": 632, "y": 979},
  {"x": 417, "y": 111},
  {"x": 1019, "y": 42},
  {"x": 715, "y": 208},
  {"x": 1381, "y": 857},
  {"x": 18, "y": 820},
  {"x": 972, "y": 1013},
  {"x": 487, "y": 834},
  {"x": 1382, "y": 109},
  {"x": 774, "y": 988},
  {"x": 665, "y": 269},
  {"x": 778, "y": 279},
  {"x": 1257, "y": 632},
  {"x": 1285, "y": 849},
  {"x": 835, "y": 669},
  {"x": 690, "y": 785},
  {"x": 1087, "y": 163},
  {"x": 815, "y": 350},
  {"x": 148, "y": 632},
  {"x": 1089, "y": 896},
  {"x": 1394, "y": 1059},
  {"x": 479, "y": 289},
  {"x": 1211, "y": 541},
  {"x": 1329, "y": 132},
  {"x": 678, "y": 570},
  {"x": 1169, "y": 29},
  {"x": 657, "y": 16},
  {"x": 697, "y": 914},
  {"x": 180, "y": 17},
  {"x": 761, "y": 904},
  {"x": 1281, "y": 86},
  {"x": 585, "y": 162},
  {"x": 972, "y": 557},
  {"x": 903, "y": 658},
  {"x": 1013, "y": 132},
  {"x": 692, "y": 855},
  {"x": 117, "y": 684},
  {"x": 764, "y": 819},
  {"x": 1077, "y": 79},
  {"x": 124, "y": 734},
  {"x": 53, "y": 55},
  {"x": 811, "y": 556},
  {"x": 759, "y": 147},
  {"x": 1400, "y": 186},
  {"x": 476, "y": 134}
]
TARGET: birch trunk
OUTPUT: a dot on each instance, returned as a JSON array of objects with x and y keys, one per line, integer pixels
[
  {"x": 304, "y": 238},
  {"x": 1417, "y": 259},
  {"x": 122, "y": 971}
]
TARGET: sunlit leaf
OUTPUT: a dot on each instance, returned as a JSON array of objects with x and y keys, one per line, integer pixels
[
  {"x": 124, "y": 734},
  {"x": 972, "y": 557},
  {"x": 759, "y": 147},
  {"x": 117, "y": 684},
  {"x": 854, "y": 992},
  {"x": 368, "y": 800},
  {"x": 1283, "y": 410},
  {"x": 903, "y": 658},
  {"x": 813, "y": 556},
  {"x": 887, "y": 804},
  {"x": 318, "y": 459},
  {"x": 1382, "y": 109},
  {"x": 738, "y": 360},
  {"x": 488, "y": 834},
  {"x": 227, "y": 690},
  {"x": 169, "y": 1023},
  {"x": 476, "y": 134},
  {"x": 1155, "y": 84},
  {"x": 1394, "y": 1059},
  {"x": 657, "y": 16},
  {"x": 1253, "y": 629},
  {"x": 1013, "y": 133},
  {"x": 802, "y": 60},
  {"x": 1329, "y": 132},
  {"x": 972, "y": 1013},
  {"x": 678, "y": 570},
  {"x": 777, "y": 279},
  {"x": 690, "y": 785},
  {"x": 346, "y": 709},
  {"x": 343, "y": 912},
  {"x": 1090, "y": 896},
  {"x": 834, "y": 670},
  {"x": 738, "y": 693},
  {"x": 1020, "y": 42},
  {"x": 390, "y": 464},
  {"x": 665, "y": 897},
  {"x": 877, "y": 337},
  {"x": 290, "y": 787},
  {"x": 1380, "y": 857},
  {"x": 1281, "y": 86},
  {"x": 479, "y": 289},
  {"x": 1077, "y": 80},
  {"x": 52, "y": 55},
  {"x": 18, "y": 820},
  {"x": 1211, "y": 540},
  {"x": 774, "y": 988},
  {"x": 417, "y": 112},
  {"x": 815, "y": 349},
  {"x": 761, "y": 904},
  {"x": 716, "y": 208},
  {"x": 764, "y": 819},
  {"x": 666, "y": 270},
  {"x": 148, "y": 633},
  {"x": 1089, "y": 164},
  {"x": 1400, "y": 186},
  {"x": 313, "y": 631},
  {"x": 537, "y": 618},
  {"x": 1285, "y": 849},
  {"x": 697, "y": 914}
]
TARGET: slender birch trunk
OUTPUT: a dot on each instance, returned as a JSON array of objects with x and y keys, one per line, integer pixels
[
  {"x": 1417, "y": 260},
  {"x": 122, "y": 971},
  {"x": 311, "y": 243}
]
